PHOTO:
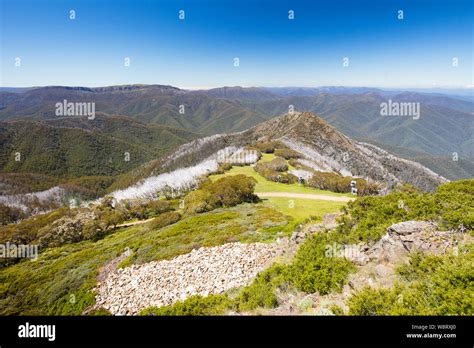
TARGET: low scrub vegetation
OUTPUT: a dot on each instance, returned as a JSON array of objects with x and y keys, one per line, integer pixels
[
  {"x": 367, "y": 218},
  {"x": 287, "y": 153},
  {"x": 10, "y": 214},
  {"x": 265, "y": 146},
  {"x": 310, "y": 271},
  {"x": 225, "y": 192},
  {"x": 195, "y": 305},
  {"x": 342, "y": 184},
  {"x": 164, "y": 219},
  {"x": 274, "y": 170},
  {"x": 28, "y": 230},
  {"x": 67, "y": 272},
  {"x": 430, "y": 285},
  {"x": 145, "y": 209}
]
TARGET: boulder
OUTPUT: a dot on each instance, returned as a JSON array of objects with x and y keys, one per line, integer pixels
[
  {"x": 407, "y": 236},
  {"x": 410, "y": 227}
]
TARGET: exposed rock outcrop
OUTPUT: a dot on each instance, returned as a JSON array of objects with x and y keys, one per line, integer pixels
[
  {"x": 378, "y": 263},
  {"x": 404, "y": 237}
]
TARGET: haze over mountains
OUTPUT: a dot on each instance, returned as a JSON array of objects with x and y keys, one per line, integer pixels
[{"x": 168, "y": 115}]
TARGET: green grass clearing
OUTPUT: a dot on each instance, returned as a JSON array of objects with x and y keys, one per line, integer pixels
[
  {"x": 264, "y": 185},
  {"x": 302, "y": 209}
]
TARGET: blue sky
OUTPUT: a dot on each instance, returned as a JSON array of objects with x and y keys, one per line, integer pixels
[{"x": 198, "y": 51}]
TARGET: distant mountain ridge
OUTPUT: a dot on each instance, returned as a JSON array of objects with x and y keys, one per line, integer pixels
[{"x": 446, "y": 125}]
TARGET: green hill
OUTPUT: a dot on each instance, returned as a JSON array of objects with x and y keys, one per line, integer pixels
[{"x": 74, "y": 147}]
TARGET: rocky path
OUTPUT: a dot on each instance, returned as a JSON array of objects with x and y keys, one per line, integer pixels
[
  {"x": 203, "y": 271},
  {"x": 305, "y": 196}
]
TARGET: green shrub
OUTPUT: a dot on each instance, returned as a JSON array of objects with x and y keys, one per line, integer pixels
[
  {"x": 274, "y": 171},
  {"x": 457, "y": 201},
  {"x": 225, "y": 192},
  {"x": 336, "y": 310},
  {"x": 261, "y": 292},
  {"x": 313, "y": 271},
  {"x": 144, "y": 209},
  {"x": 232, "y": 190},
  {"x": 277, "y": 164},
  {"x": 431, "y": 285},
  {"x": 197, "y": 202},
  {"x": 367, "y": 218},
  {"x": 287, "y": 153},
  {"x": 223, "y": 167},
  {"x": 194, "y": 305},
  {"x": 164, "y": 219},
  {"x": 342, "y": 184},
  {"x": 310, "y": 271}
]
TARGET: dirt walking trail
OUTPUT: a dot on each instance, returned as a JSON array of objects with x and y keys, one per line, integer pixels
[
  {"x": 269, "y": 194},
  {"x": 305, "y": 196},
  {"x": 138, "y": 222}
]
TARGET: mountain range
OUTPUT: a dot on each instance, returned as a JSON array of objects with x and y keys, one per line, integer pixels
[{"x": 151, "y": 119}]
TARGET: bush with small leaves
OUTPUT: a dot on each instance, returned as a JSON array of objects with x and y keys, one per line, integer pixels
[
  {"x": 287, "y": 153},
  {"x": 9, "y": 214},
  {"x": 314, "y": 271},
  {"x": 225, "y": 192},
  {"x": 194, "y": 305},
  {"x": 430, "y": 285},
  {"x": 164, "y": 219},
  {"x": 261, "y": 292},
  {"x": 367, "y": 218},
  {"x": 274, "y": 171}
]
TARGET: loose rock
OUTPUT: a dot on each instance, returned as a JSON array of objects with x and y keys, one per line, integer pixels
[{"x": 203, "y": 271}]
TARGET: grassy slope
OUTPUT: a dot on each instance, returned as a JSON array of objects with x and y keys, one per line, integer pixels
[
  {"x": 264, "y": 185},
  {"x": 47, "y": 285},
  {"x": 299, "y": 209}
]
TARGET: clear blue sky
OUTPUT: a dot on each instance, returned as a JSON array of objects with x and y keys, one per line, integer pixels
[{"x": 273, "y": 50}]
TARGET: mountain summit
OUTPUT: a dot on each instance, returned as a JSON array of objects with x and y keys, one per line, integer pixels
[
  {"x": 320, "y": 147},
  {"x": 331, "y": 150}
]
